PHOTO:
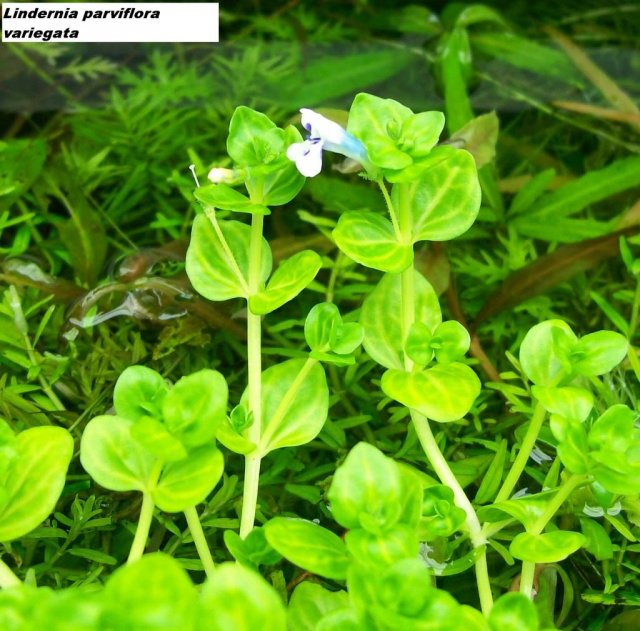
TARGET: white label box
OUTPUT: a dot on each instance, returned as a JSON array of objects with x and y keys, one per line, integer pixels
[{"x": 110, "y": 22}]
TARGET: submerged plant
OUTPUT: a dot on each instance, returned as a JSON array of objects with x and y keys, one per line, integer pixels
[{"x": 391, "y": 530}]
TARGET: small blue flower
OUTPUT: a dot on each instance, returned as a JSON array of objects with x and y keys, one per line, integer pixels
[{"x": 324, "y": 134}]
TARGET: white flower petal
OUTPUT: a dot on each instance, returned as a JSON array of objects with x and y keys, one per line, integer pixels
[
  {"x": 593, "y": 511},
  {"x": 308, "y": 157},
  {"x": 298, "y": 150},
  {"x": 320, "y": 127},
  {"x": 219, "y": 175},
  {"x": 615, "y": 509}
]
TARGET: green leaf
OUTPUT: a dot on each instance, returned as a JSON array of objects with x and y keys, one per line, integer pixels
[
  {"x": 526, "y": 54},
  {"x": 346, "y": 338},
  {"x": 319, "y": 324},
  {"x": 475, "y": 13},
  {"x": 479, "y": 137},
  {"x": 112, "y": 457},
  {"x": 323, "y": 79},
  {"x": 324, "y": 331},
  {"x": 418, "y": 344},
  {"x": 93, "y": 555},
  {"x": 548, "y": 547},
  {"x": 369, "y": 239},
  {"x": 472, "y": 620},
  {"x": 154, "y": 594},
  {"x": 84, "y": 236},
  {"x": 444, "y": 201},
  {"x": 440, "y": 515},
  {"x": 253, "y": 550},
  {"x": 153, "y": 436},
  {"x": 527, "y": 510},
  {"x": 572, "y": 403},
  {"x": 454, "y": 69},
  {"x": 227, "y": 198},
  {"x": 611, "y": 312},
  {"x": 544, "y": 353},
  {"x": 195, "y": 407},
  {"x": 236, "y": 598},
  {"x": 545, "y": 218},
  {"x": 309, "y": 546},
  {"x": 340, "y": 620},
  {"x": 588, "y": 189},
  {"x": 21, "y": 162},
  {"x": 295, "y": 404},
  {"x": 614, "y": 441},
  {"x": 421, "y": 132},
  {"x": 371, "y": 117},
  {"x": 402, "y": 597},
  {"x": 598, "y": 541},
  {"x": 380, "y": 550},
  {"x": 233, "y": 440},
  {"x": 531, "y": 191},
  {"x": 393, "y": 135},
  {"x": 513, "y": 612},
  {"x": 443, "y": 393},
  {"x": 310, "y": 602},
  {"x": 366, "y": 491},
  {"x": 450, "y": 341},
  {"x": 598, "y": 353},
  {"x": 34, "y": 479},
  {"x": 493, "y": 477},
  {"x": 253, "y": 138},
  {"x": 291, "y": 277},
  {"x": 381, "y": 318},
  {"x": 572, "y": 449},
  {"x": 278, "y": 182},
  {"x": 613, "y": 430},
  {"x": 186, "y": 483},
  {"x": 218, "y": 272},
  {"x": 139, "y": 392}
]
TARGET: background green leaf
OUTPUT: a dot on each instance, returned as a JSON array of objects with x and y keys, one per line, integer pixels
[
  {"x": 34, "y": 480},
  {"x": 309, "y": 546}
]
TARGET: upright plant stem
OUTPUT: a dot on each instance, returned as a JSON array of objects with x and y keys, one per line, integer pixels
[
  {"x": 447, "y": 477},
  {"x": 528, "y": 567},
  {"x": 423, "y": 429},
  {"x": 146, "y": 516},
  {"x": 195, "y": 527},
  {"x": 520, "y": 462},
  {"x": 142, "y": 531},
  {"x": 254, "y": 365},
  {"x": 7, "y": 577}
]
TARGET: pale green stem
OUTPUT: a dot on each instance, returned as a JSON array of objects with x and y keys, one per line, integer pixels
[
  {"x": 7, "y": 577},
  {"x": 197, "y": 534},
  {"x": 528, "y": 567},
  {"x": 390, "y": 208},
  {"x": 146, "y": 516},
  {"x": 528, "y": 442},
  {"x": 527, "y": 576},
  {"x": 254, "y": 365},
  {"x": 423, "y": 429},
  {"x": 447, "y": 477}
]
